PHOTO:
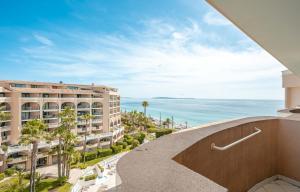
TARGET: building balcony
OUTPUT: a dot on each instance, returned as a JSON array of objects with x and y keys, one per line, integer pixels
[
  {"x": 98, "y": 128},
  {"x": 30, "y": 118},
  {"x": 84, "y": 99},
  {"x": 83, "y": 108},
  {"x": 82, "y": 130},
  {"x": 230, "y": 156},
  {"x": 30, "y": 109},
  {"x": 50, "y": 109},
  {"x": 104, "y": 143},
  {"x": 5, "y": 128},
  {"x": 96, "y": 120},
  {"x": 68, "y": 99},
  {"x": 42, "y": 155},
  {"x": 50, "y": 117},
  {"x": 52, "y": 125},
  {"x": 92, "y": 146},
  {"x": 15, "y": 160},
  {"x": 5, "y": 99},
  {"x": 18, "y": 148},
  {"x": 51, "y": 99},
  {"x": 5, "y": 138}
]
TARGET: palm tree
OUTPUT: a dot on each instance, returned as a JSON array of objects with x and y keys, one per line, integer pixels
[
  {"x": 167, "y": 122},
  {"x": 32, "y": 133},
  {"x": 86, "y": 118},
  {"x": 145, "y": 104},
  {"x": 68, "y": 121}
]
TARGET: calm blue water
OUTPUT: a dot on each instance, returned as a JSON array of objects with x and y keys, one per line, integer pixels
[{"x": 201, "y": 111}]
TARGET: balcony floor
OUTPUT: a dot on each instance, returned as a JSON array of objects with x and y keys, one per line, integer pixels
[{"x": 278, "y": 186}]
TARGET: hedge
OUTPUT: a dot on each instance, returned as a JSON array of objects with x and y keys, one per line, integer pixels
[
  {"x": 116, "y": 148},
  {"x": 104, "y": 152},
  {"x": 10, "y": 171},
  {"x": 135, "y": 143},
  {"x": 140, "y": 137},
  {"x": 91, "y": 155},
  {"x": 2, "y": 176},
  {"x": 90, "y": 177},
  {"x": 128, "y": 139},
  {"x": 161, "y": 132},
  {"x": 82, "y": 166},
  {"x": 152, "y": 130},
  {"x": 124, "y": 144}
]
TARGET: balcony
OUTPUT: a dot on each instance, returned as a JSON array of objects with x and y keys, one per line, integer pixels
[
  {"x": 5, "y": 128},
  {"x": 96, "y": 120},
  {"x": 91, "y": 146},
  {"x": 5, "y": 99},
  {"x": 30, "y": 109},
  {"x": 52, "y": 125},
  {"x": 15, "y": 160},
  {"x": 231, "y": 156},
  {"x": 18, "y": 148},
  {"x": 5, "y": 138},
  {"x": 82, "y": 130},
  {"x": 50, "y": 116},
  {"x": 97, "y": 128},
  {"x": 30, "y": 117}
]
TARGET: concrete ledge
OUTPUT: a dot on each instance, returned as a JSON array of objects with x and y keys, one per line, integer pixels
[{"x": 151, "y": 167}]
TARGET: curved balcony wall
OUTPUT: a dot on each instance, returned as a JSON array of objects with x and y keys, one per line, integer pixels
[{"x": 185, "y": 161}]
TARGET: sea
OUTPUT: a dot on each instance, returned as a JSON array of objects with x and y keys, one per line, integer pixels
[{"x": 202, "y": 111}]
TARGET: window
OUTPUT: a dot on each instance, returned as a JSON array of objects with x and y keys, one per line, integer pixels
[
  {"x": 18, "y": 85},
  {"x": 25, "y": 94},
  {"x": 72, "y": 88}
]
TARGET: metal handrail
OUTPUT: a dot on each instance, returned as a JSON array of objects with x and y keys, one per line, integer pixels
[{"x": 214, "y": 147}]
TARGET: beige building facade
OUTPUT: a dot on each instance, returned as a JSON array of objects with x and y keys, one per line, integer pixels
[{"x": 38, "y": 100}]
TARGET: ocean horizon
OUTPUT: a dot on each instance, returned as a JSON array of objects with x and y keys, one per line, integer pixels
[{"x": 196, "y": 111}]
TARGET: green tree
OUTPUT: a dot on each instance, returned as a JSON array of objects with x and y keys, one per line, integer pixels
[
  {"x": 62, "y": 133},
  {"x": 145, "y": 104},
  {"x": 69, "y": 151},
  {"x": 167, "y": 122},
  {"x": 32, "y": 133},
  {"x": 86, "y": 118}
]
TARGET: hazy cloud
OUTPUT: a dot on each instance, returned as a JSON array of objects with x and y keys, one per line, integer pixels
[
  {"x": 214, "y": 18},
  {"x": 43, "y": 40},
  {"x": 163, "y": 59}
]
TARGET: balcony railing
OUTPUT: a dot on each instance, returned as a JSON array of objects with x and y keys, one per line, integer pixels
[
  {"x": 5, "y": 128},
  {"x": 30, "y": 108},
  {"x": 14, "y": 160},
  {"x": 52, "y": 125},
  {"x": 30, "y": 118},
  {"x": 50, "y": 117}
]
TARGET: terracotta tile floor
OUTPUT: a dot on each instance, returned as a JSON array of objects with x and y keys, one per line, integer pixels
[{"x": 278, "y": 186}]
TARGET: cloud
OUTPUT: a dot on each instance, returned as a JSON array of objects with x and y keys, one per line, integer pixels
[
  {"x": 43, "y": 40},
  {"x": 162, "y": 60},
  {"x": 214, "y": 18}
]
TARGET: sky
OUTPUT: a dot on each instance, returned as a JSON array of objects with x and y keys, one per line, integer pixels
[{"x": 169, "y": 48}]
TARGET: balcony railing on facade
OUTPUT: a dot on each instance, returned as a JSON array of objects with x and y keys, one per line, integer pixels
[
  {"x": 14, "y": 160},
  {"x": 49, "y": 117},
  {"x": 5, "y": 128},
  {"x": 27, "y": 118},
  {"x": 54, "y": 108},
  {"x": 30, "y": 109}
]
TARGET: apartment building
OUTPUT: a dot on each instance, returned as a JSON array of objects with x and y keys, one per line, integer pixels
[{"x": 38, "y": 100}]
